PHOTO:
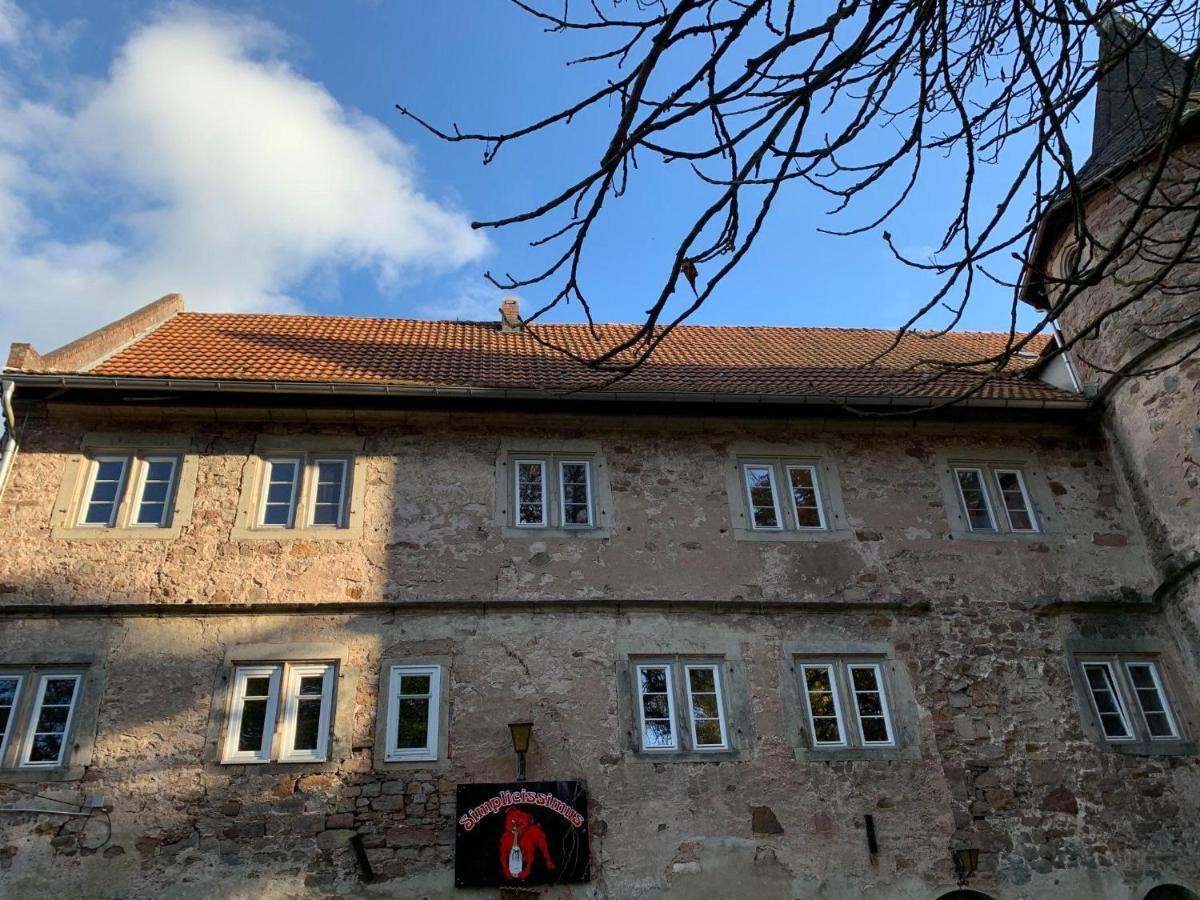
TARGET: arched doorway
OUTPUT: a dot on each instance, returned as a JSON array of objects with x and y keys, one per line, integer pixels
[
  {"x": 964, "y": 894},
  {"x": 1170, "y": 892}
]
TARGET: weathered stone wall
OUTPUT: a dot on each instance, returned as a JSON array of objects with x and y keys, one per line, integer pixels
[
  {"x": 430, "y": 530},
  {"x": 1003, "y": 764},
  {"x": 1003, "y": 760},
  {"x": 1153, "y": 419}
]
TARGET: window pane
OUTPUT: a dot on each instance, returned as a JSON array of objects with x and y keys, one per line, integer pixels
[
  {"x": 1151, "y": 700},
  {"x": 52, "y": 719},
  {"x": 704, "y": 706},
  {"x": 1108, "y": 703},
  {"x": 826, "y": 731},
  {"x": 280, "y": 498},
  {"x": 804, "y": 495},
  {"x": 330, "y": 476},
  {"x": 974, "y": 497},
  {"x": 822, "y": 705},
  {"x": 655, "y": 706},
  {"x": 412, "y": 731},
  {"x": 101, "y": 504},
  {"x": 576, "y": 502},
  {"x": 874, "y": 731},
  {"x": 761, "y": 488},
  {"x": 59, "y": 691},
  {"x": 414, "y": 684},
  {"x": 531, "y": 506},
  {"x": 258, "y": 686},
  {"x": 1020, "y": 516},
  {"x": 279, "y": 493},
  {"x": 8, "y": 691},
  {"x": 869, "y": 705},
  {"x": 312, "y": 685},
  {"x": 45, "y": 748},
  {"x": 254, "y": 717},
  {"x": 653, "y": 680},
  {"x": 708, "y": 733},
  {"x": 657, "y": 734},
  {"x": 308, "y": 723}
]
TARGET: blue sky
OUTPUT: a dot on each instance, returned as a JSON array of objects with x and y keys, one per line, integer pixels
[{"x": 251, "y": 158}]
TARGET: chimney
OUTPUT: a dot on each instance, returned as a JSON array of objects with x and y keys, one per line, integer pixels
[{"x": 510, "y": 315}]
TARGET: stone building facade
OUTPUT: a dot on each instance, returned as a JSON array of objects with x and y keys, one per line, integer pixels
[{"x": 988, "y": 626}]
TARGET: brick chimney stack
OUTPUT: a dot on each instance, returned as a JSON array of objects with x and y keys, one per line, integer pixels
[{"x": 510, "y": 315}]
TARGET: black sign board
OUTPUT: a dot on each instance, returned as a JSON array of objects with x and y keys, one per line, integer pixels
[{"x": 527, "y": 832}]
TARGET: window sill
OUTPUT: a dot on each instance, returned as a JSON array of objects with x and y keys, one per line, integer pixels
[
  {"x": 858, "y": 754},
  {"x": 27, "y": 776},
  {"x": 804, "y": 537},
  {"x": 296, "y": 534},
  {"x": 412, "y": 765},
  {"x": 1000, "y": 535},
  {"x": 685, "y": 756},
  {"x": 537, "y": 534},
  {"x": 76, "y": 533},
  {"x": 275, "y": 767},
  {"x": 1152, "y": 748}
]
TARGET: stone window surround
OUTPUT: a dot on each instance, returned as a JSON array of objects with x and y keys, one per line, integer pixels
[
  {"x": 1032, "y": 474},
  {"x": 81, "y": 738},
  {"x": 736, "y": 697},
  {"x": 382, "y": 701},
  {"x": 345, "y": 686},
  {"x": 896, "y": 684},
  {"x": 245, "y": 527},
  {"x": 1182, "y": 705},
  {"x": 837, "y": 527},
  {"x": 70, "y": 493},
  {"x": 512, "y": 449}
]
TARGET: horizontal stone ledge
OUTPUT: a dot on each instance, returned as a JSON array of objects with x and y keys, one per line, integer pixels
[
  {"x": 1061, "y": 607},
  {"x": 117, "y": 610}
]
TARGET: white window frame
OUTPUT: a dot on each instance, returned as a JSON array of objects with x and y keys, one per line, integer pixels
[
  {"x": 884, "y": 706},
  {"x": 562, "y": 493},
  {"x": 980, "y": 471},
  {"x": 813, "y": 470},
  {"x": 719, "y": 691},
  {"x": 241, "y": 674},
  {"x": 772, "y": 477},
  {"x": 428, "y": 753},
  {"x": 997, "y": 471},
  {"x": 12, "y": 726},
  {"x": 1114, "y": 687},
  {"x": 126, "y": 461},
  {"x": 1156, "y": 676},
  {"x": 293, "y": 499},
  {"x": 516, "y": 504},
  {"x": 291, "y": 705},
  {"x": 309, "y": 469},
  {"x": 641, "y": 707},
  {"x": 830, "y": 669},
  {"x": 143, "y": 466},
  {"x": 35, "y": 714}
]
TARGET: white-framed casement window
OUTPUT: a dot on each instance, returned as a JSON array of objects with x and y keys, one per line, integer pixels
[
  {"x": 129, "y": 490},
  {"x": 305, "y": 491},
  {"x": 1129, "y": 699},
  {"x": 37, "y": 712},
  {"x": 552, "y": 491},
  {"x": 280, "y": 712},
  {"x": 660, "y": 686},
  {"x": 783, "y": 495},
  {"x": 995, "y": 499},
  {"x": 846, "y": 704},
  {"x": 413, "y": 713}
]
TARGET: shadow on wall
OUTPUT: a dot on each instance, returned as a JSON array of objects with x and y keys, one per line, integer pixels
[{"x": 1170, "y": 892}]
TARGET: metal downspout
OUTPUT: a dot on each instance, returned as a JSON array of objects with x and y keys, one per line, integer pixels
[{"x": 9, "y": 453}]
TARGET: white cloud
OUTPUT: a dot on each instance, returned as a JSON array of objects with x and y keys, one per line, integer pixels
[
  {"x": 472, "y": 301},
  {"x": 233, "y": 178},
  {"x": 11, "y": 21}
]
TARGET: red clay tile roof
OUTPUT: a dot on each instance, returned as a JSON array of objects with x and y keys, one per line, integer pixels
[{"x": 824, "y": 362}]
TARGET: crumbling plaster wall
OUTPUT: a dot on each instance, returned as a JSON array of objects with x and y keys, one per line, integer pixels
[
  {"x": 1003, "y": 764},
  {"x": 430, "y": 531}
]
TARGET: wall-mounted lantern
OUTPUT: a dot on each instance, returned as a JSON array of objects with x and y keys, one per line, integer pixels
[
  {"x": 966, "y": 861},
  {"x": 521, "y": 733}
]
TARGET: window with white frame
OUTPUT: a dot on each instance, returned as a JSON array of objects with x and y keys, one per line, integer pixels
[
  {"x": 846, "y": 704},
  {"x": 129, "y": 490},
  {"x": 661, "y": 687},
  {"x": 995, "y": 498},
  {"x": 305, "y": 491},
  {"x": 413, "y": 713},
  {"x": 37, "y": 711},
  {"x": 552, "y": 491},
  {"x": 280, "y": 712},
  {"x": 1129, "y": 699},
  {"x": 783, "y": 495}
]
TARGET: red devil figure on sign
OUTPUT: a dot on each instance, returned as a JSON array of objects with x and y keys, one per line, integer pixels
[{"x": 522, "y": 838}]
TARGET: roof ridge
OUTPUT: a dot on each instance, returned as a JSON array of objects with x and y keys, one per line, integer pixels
[{"x": 916, "y": 332}]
